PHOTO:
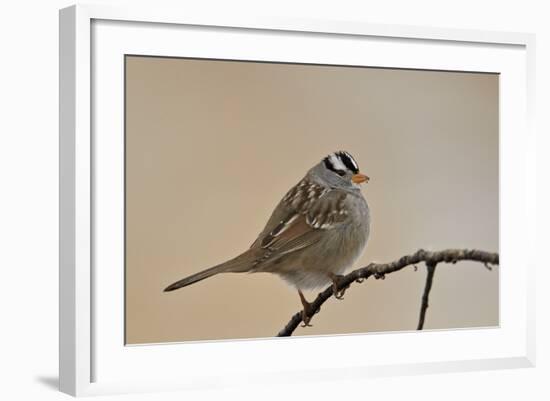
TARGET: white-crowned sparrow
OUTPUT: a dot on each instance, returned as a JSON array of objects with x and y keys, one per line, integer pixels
[{"x": 315, "y": 233}]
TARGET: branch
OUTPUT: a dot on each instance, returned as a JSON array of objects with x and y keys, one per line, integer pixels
[
  {"x": 379, "y": 270},
  {"x": 425, "y": 296}
]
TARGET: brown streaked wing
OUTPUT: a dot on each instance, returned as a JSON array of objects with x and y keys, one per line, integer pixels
[{"x": 301, "y": 230}]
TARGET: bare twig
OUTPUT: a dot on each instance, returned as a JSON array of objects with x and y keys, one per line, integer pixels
[
  {"x": 426, "y": 295},
  {"x": 381, "y": 269}
]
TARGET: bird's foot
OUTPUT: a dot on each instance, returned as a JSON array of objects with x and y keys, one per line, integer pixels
[
  {"x": 305, "y": 319},
  {"x": 307, "y": 311},
  {"x": 336, "y": 279}
]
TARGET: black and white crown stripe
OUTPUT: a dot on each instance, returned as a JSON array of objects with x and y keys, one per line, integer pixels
[{"x": 341, "y": 161}]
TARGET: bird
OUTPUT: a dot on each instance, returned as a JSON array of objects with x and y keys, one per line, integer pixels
[{"x": 315, "y": 233}]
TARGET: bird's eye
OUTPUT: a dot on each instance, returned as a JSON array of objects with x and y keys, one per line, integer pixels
[{"x": 341, "y": 173}]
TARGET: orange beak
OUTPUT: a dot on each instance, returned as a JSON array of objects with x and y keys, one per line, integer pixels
[{"x": 359, "y": 178}]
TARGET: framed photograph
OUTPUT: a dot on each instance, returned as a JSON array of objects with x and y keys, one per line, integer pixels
[{"x": 237, "y": 194}]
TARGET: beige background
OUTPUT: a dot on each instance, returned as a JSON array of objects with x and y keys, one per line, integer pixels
[{"x": 212, "y": 146}]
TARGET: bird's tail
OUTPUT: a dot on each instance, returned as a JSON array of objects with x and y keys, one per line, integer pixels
[{"x": 239, "y": 264}]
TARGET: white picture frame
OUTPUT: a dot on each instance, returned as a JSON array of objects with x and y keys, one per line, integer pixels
[{"x": 94, "y": 361}]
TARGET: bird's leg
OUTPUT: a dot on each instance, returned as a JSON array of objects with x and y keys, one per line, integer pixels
[
  {"x": 336, "y": 278},
  {"x": 307, "y": 311}
]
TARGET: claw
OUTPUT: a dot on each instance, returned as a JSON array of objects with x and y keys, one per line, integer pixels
[
  {"x": 305, "y": 321},
  {"x": 338, "y": 294}
]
